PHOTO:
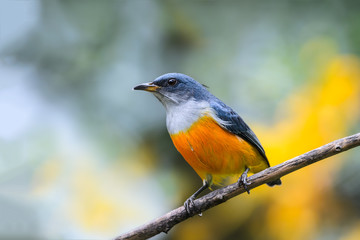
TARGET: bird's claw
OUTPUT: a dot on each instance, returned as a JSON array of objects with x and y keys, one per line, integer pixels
[
  {"x": 243, "y": 181},
  {"x": 189, "y": 205}
]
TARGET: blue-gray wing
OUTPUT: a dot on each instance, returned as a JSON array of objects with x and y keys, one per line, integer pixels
[{"x": 235, "y": 124}]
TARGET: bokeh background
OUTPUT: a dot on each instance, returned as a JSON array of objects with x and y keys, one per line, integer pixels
[{"x": 82, "y": 156}]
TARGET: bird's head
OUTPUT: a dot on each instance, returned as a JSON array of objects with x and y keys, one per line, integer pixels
[{"x": 175, "y": 89}]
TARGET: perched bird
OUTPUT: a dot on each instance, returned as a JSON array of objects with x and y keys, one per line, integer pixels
[{"x": 211, "y": 137}]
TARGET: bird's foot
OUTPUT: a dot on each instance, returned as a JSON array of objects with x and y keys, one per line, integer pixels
[
  {"x": 243, "y": 180},
  {"x": 190, "y": 206},
  {"x": 189, "y": 203}
]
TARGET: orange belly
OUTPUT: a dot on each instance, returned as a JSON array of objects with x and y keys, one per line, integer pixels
[{"x": 216, "y": 153}]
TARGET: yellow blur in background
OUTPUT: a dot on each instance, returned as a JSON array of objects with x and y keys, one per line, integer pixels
[{"x": 84, "y": 157}]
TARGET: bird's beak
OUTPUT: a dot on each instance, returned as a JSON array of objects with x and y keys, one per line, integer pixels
[{"x": 150, "y": 87}]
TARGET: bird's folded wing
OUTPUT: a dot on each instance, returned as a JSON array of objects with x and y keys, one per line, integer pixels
[{"x": 232, "y": 122}]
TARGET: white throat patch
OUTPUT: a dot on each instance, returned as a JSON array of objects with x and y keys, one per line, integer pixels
[{"x": 181, "y": 117}]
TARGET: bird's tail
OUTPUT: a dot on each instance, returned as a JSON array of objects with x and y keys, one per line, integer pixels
[{"x": 275, "y": 182}]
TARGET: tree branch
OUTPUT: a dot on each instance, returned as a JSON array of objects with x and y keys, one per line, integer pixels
[{"x": 166, "y": 222}]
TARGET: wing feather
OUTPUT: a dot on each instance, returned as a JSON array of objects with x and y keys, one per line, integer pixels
[{"x": 235, "y": 124}]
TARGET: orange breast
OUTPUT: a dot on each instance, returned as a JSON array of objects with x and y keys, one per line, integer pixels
[{"x": 212, "y": 150}]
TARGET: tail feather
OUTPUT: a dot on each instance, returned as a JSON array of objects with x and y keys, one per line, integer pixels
[{"x": 275, "y": 182}]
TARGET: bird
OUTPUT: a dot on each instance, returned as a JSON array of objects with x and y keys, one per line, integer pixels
[{"x": 211, "y": 136}]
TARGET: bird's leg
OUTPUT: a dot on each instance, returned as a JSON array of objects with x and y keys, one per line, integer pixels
[
  {"x": 243, "y": 180},
  {"x": 189, "y": 203}
]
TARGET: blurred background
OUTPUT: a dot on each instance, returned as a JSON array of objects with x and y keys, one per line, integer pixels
[{"x": 82, "y": 156}]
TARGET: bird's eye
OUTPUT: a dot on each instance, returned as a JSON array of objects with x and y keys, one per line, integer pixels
[{"x": 172, "y": 81}]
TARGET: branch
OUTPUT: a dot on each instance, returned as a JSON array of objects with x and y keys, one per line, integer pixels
[{"x": 166, "y": 222}]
